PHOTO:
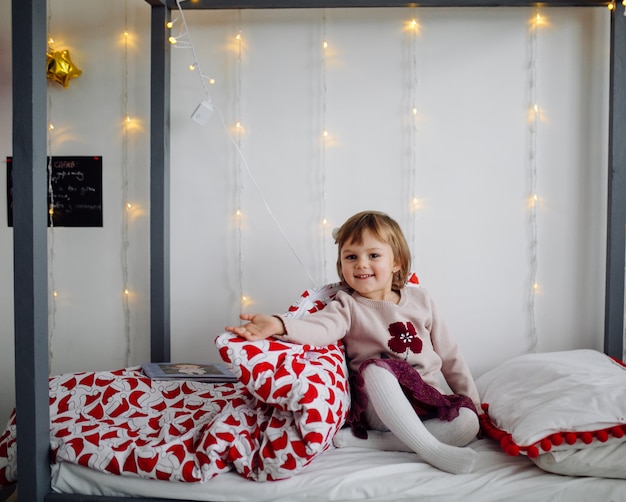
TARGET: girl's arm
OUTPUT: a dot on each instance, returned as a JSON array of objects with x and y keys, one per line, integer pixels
[
  {"x": 320, "y": 328},
  {"x": 261, "y": 326}
]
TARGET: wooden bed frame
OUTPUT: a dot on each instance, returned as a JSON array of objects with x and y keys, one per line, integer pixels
[{"x": 30, "y": 190}]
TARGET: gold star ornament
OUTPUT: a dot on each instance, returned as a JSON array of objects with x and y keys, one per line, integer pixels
[{"x": 60, "y": 67}]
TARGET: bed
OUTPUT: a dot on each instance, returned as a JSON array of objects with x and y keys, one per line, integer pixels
[
  {"x": 269, "y": 435},
  {"x": 511, "y": 466}
]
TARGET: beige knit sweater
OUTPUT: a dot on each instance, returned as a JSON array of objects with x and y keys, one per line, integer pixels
[{"x": 412, "y": 330}]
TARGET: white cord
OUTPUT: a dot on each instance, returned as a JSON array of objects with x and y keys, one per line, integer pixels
[
  {"x": 532, "y": 161},
  {"x": 237, "y": 146},
  {"x": 49, "y": 216},
  {"x": 413, "y": 141},
  {"x": 125, "y": 239},
  {"x": 322, "y": 160},
  {"x": 263, "y": 199}
]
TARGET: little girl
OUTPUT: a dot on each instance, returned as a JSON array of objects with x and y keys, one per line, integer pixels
[{"x": 397, "y": 346}]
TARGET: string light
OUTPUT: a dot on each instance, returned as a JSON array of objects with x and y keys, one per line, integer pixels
[
  {"x": 52, "y": 233},
  {"x": 322, "y": 152},
  {"x": 125, "y": 197},
  {"x": 532, "y": 174},
  {"x": 414, "y": 204},
  {"x": 239, "y": 169}
]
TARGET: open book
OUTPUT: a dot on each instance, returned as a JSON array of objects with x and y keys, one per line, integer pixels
[{"x": 214, "y": 372}]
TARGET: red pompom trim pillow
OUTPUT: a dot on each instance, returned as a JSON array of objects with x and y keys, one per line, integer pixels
[{"x": 537, "y": 403}]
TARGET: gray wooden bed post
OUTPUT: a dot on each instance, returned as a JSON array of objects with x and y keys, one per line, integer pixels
[
  {"x": 159, "y": 184},
  {"x": 616, "y": 218},
  {"x": 30, "y": 249}
]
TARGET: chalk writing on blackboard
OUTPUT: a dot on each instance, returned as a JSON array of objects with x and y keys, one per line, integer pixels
[{"x": 74, "y": 191}]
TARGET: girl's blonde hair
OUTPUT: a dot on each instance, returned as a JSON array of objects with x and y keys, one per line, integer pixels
[{"x": 382, "y": 227}]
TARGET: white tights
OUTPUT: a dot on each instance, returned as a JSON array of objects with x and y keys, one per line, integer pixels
[{"x": 398, "y": 428}]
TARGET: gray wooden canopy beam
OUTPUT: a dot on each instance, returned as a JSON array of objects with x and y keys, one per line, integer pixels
[
  {"x": 160, "y": 50},
  {"x": 300, "y": 4},
  {"x": 616, "y": 218},
  {"x": 30, "y": 248}
]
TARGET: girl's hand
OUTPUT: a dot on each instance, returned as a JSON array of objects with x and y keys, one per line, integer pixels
[{"x": 261, "y": 326}]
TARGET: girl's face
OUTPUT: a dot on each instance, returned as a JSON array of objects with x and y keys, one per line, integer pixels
[{"x": 368, "y": 267}]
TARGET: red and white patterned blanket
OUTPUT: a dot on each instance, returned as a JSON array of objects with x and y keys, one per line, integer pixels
[
  {"x": 284, "y": 411},
  {"x": 287, "y": 406}
]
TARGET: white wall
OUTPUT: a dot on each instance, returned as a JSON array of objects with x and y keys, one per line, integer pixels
[{"x": 468, "y": 161}]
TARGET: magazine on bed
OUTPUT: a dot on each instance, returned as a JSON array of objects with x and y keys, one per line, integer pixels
[{"x": 214, "y": 372}]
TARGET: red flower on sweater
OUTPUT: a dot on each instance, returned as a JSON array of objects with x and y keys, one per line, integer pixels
[{"x": 403, "y": 337}]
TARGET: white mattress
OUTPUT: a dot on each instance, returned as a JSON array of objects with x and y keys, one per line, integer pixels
[{"x": 349, "y": 474}]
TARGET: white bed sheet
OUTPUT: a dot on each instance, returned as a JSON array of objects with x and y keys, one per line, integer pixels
[{"x": 350, "y": 474}]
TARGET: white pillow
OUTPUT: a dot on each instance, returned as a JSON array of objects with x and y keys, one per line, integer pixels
[
  {"x": 605, "y": 461},
  {"x": 554, "y": 401}
]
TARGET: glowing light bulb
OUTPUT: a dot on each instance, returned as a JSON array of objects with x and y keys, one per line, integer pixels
[
  {"x": 211, "y": 81},
  {"x": 126, "y": 34},
  {"x": 536, "y": 108},
  {"x": 169, "y": 25},
  {"x": 238, "y": 125},
  {"x": 192, "y": 66},
  {"x": 324, "y": 222},
  {"x": 128, "y": 119},
  {"x": 129, "y": 205},
  {"x": 414, "y": 110},
  {"x": 535, "y": 286},
  {"x": 172, "y": 40},
  {"x": 50, "y": 127},
  {"x": 51, "y": 211},
  {"x": 414, "y": 24},
  {"x": 51, "y": 40},
  {"x": 416, "y": 204},
  {"x": 238, "y": 212},
  {"x": 611, "y": 6},
  {"x": 126, "y": 292},
  {"x": 238, "y": 37},
  {"x": 324, "y": 133},
  {"x": 324, "y": 45},
  {"x": 55, "y": 294}
]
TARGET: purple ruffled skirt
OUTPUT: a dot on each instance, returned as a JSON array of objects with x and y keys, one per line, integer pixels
[{"x": 427, "y": 401}]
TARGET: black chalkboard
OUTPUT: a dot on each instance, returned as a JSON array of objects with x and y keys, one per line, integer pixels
[{"x": 74, "y": 194}]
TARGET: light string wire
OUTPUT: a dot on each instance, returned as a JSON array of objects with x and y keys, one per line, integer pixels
[
  {"x": 125, "y": 201},
  {"x": 532, "y": 175},
  {"x": 50, "y": 218},
  {"x": 322, "y": 156},
  {"x": 412, "y": 168},
  {"x": 238, "y": 166},
  {"x": 188, "y": 44}
]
